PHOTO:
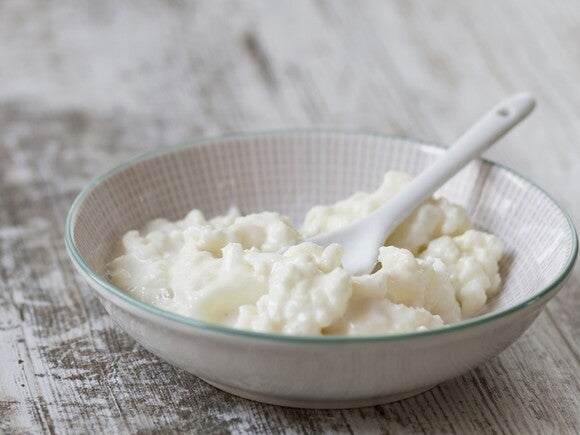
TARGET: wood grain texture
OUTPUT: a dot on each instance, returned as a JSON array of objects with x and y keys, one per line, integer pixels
[{"x": 84, "y": 85}]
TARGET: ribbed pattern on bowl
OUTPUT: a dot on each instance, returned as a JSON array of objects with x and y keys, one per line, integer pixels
[{"x": 290, "y": 172}]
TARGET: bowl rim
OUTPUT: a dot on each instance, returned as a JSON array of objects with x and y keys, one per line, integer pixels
[{"x": 116, "y": 292}]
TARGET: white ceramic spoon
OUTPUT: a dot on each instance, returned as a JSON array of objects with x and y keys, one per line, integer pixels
[{"x": 362, "y": 239}]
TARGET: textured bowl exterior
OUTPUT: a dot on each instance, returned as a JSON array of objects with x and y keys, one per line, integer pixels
[
  {"x": 289, "y": 172},
  {"x": 333, "y": 375}
]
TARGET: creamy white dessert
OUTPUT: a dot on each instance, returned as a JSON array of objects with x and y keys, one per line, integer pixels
[{"x": 434, "y": 270}]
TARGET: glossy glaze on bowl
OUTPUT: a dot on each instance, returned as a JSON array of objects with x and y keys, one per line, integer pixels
[{"x": 289, "y": 172}]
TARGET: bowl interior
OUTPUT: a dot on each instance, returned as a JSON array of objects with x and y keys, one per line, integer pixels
[{"x": 291, "y": 172}]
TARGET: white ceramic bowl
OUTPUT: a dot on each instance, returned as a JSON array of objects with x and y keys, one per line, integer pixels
[{"x": 289, "y": 172}]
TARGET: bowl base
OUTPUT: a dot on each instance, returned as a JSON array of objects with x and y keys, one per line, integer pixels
[{"x": 317, "y": 404}]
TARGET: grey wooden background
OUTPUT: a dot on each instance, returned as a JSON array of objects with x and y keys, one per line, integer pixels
[{"x": 86, "y": 84}]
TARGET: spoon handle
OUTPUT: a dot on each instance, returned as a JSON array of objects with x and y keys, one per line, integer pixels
[{"x": 484, "y": 133}]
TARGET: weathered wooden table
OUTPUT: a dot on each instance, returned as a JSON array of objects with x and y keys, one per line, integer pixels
[{"x": 85, "y": 85}]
